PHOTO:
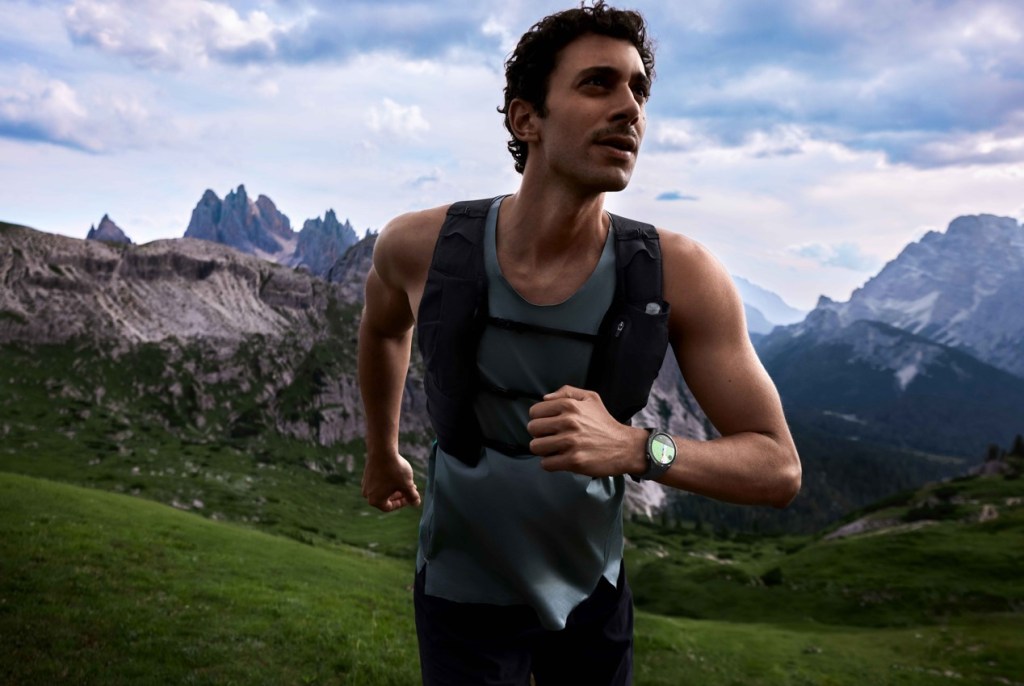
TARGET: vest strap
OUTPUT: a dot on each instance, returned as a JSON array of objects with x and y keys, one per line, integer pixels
[{"x": 526, "y": 327}]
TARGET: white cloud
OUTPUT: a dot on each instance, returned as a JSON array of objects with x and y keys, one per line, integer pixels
[
  {"x": 400, "y": 120},
  {"x": 844, "y": 255},
  {"x": 170, "y": 34},
  {"x": 42, "y": 108},
  {"x": 98, "y": 116}
]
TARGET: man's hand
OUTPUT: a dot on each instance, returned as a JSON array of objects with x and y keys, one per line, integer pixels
[
  {"x": 388, "y": 483},
  {"x": 572, "y": 431}
]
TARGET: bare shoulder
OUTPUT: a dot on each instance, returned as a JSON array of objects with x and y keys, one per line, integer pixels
[
  {"x": 698, "y": 286},
  {"x": 405, "y": 246},
  {"x": 690, "y": 266}
]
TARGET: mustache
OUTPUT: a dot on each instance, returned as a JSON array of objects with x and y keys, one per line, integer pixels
[{"x": 609, "y": 131}]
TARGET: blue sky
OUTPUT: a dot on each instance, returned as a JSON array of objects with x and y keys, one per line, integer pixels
[{"x": 804, "y": 141}]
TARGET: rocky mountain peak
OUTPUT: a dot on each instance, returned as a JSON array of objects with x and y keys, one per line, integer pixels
[
  {"x": 107, "y": 231},
  {"x": 253, "y": 227},
  {"x": 960, "y": 288},
  {"x": 322, "y": 242}
]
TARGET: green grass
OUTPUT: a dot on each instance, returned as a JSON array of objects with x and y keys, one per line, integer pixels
[
  {"x": 54, "y": 427},
  {"x": 929, "y": 565},
  {"x": 108, "y": 589},
  {"x": 100, "y": 588},
  {"x": 280, "y": 572}
]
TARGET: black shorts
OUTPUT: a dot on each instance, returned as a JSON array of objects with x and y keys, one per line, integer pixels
[{"x": 470, "y": 643}]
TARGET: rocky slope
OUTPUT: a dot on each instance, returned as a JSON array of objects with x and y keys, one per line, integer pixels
[
  {"x": 243, "y": 344},
  {"x": 220, "y": 320}
]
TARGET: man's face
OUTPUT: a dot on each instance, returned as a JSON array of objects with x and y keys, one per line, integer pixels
[{"x": 595, "y": 118}]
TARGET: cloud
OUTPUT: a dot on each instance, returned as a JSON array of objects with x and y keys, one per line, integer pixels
[
  {"x": 669, "y": 196},
  {"x": 44, "y": 109},
  {"x": 175, "y": 34},
  {"x": 96, "y": 119},
  {"x": 399, "y": 120},
  {"x": 434, "y": 176},
  {"x": 171, "y": 34},
  {"x": 843, "y": 255},
  {"x": 929, "y": 84}
]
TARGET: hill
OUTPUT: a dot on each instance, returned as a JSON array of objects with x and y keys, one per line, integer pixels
[{"x": 105, "y": 588}]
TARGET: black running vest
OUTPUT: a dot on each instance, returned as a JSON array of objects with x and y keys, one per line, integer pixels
[{"x": 629, "y": 347}]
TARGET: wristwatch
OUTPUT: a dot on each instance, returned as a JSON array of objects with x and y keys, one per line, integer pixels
[{"x": 661, "y": 453}]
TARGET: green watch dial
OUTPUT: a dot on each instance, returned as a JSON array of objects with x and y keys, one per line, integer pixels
[{"x": 663, "y": 450}]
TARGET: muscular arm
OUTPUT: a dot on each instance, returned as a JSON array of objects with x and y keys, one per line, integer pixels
[
  {"x": 394, "y": 286},
  {"x": 385, "y": 341},
  {"x": 755, "y": 460}
]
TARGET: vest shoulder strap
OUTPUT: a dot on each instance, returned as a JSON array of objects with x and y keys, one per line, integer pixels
[{"x": 637, "y": 261}]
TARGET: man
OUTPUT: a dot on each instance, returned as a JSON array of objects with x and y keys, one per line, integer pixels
[{"x": 521, "y": 304}]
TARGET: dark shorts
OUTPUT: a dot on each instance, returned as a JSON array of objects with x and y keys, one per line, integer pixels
[{"x": 469, "y": 643}]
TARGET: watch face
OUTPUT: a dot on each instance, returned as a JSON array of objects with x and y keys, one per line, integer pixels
[{"x": 663, "y": 450}]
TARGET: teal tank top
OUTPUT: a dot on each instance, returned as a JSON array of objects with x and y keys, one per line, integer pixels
[{"x": 506, "y": 532}]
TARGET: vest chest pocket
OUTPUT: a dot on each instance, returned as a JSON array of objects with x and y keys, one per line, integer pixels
[
  {"x": 627, "y": 360},
  {"x": 449, "y": 329}
]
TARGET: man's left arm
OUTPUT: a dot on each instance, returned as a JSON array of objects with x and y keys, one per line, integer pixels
[{"x": 753, "y": 462}]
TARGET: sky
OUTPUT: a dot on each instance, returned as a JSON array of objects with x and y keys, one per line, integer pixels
[{"x": 804, "y": 142}]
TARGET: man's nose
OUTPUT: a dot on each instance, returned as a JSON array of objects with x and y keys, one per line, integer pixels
[{"x": 627, "y": 107}]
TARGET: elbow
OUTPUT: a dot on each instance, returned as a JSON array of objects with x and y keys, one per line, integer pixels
[{"x": 790, "y": 479}]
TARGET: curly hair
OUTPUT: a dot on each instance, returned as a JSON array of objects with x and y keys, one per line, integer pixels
[{"x": 529, "y": 67}]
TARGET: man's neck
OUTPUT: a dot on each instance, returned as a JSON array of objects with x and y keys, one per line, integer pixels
[{"x": 539, "y": 225}]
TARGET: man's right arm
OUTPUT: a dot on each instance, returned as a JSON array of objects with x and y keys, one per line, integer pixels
[{"x": 385, "y": 342}]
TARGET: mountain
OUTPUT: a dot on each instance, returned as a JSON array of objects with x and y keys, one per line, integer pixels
[
  {"x": 259, "y": 228},
  {"x": 208, "y": 342},
  {"x": 757, "y": 323},
  {"x": 876, "y": 382},
  {"x": 107, "y": 231},
  {"x": 927, "y": 355},
  {"x": 961, "y": 288},
  {"x": 764, "y": 308},
  {"x": 256, "y": 228},
  {"x": 322, "y": 242},
  {"x": 222, "y": 342}
]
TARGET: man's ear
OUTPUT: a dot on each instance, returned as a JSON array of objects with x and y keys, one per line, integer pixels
[{"x": 523, "y": 119}]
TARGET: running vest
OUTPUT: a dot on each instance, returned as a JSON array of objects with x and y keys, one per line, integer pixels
[{"x": 629, "y": 347}]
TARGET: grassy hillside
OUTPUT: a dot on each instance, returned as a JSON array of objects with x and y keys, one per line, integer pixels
[
  {"x": 104, "y": 588},
  {"x": 70, "y": 415},
  {"x": 97, "y": 588}
]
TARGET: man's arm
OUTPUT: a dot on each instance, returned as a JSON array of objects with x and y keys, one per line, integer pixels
[
  {"x": 755, "y": 460},
  {"x": 385, "y": 341}
]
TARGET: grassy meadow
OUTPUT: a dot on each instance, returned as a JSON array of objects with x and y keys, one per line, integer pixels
[
  {"x": 145, "y": 540},
  {"x": 105, "y": 588}
]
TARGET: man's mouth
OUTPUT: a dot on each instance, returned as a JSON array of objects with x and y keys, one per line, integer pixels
[{"x": 623, "y": 142}]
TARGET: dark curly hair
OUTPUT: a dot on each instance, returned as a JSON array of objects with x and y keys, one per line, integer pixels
[{"x": 528, "y": 68}]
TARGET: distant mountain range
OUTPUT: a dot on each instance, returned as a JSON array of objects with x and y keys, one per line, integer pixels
[
  {"x": 928, "y": 354},
  {"x": 258, "y": 228},
  {"x": 240, "y": 345},
  {"x": 909, "y": 380},
  {"x": 765, "y": 309}
]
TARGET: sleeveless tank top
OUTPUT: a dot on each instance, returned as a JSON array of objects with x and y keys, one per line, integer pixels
[{"x": 504, "y": 531}]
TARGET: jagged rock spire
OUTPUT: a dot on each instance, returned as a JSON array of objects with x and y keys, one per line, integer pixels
[{"x": 107, "y": 231}]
